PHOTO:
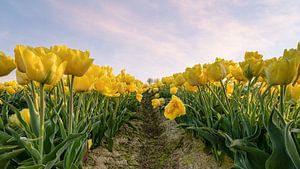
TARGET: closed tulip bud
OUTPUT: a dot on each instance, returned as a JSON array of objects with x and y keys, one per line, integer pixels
[
  {"x": 229, "y": 89},
  {"x": 14, "y": 121},
  {"x": 7, "y": 64},
  {"x": 175, "y": 108},
  {"x": 155, "y": 89},
  {"x": 282, "y": 72}
]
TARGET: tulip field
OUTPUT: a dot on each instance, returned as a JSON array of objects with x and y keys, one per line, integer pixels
[{"x": 62, "y": 107}]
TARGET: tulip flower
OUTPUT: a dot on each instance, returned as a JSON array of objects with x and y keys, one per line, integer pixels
[
  {"x": 22, "y": 78},
  {"x": 7, "y": 64},
  {"x": 139, "y": 97},
  {"x": 282, "y": 72},
  {"x": 44, "y": 68},
  {"x": 179, "y": 79},
  {"x": 253, "y": 65},
  {"x": 78, "y": 62},
  {"x": 155, "y": 103},
  {"x": 237, "y": 73},
  {"x": 19, "y": 49},
  {"x": 14, "y": 121},
  {"x": 173, "y": 90},
  {"x": 175, "y": 108},
  {"x": 217, "y": 71}
]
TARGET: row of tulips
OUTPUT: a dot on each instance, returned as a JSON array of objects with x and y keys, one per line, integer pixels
[
  {"x": 248, "y": 111},
  {"x": 60, "y": 105}
]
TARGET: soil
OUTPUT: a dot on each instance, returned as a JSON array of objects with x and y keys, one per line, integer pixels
[{"x": 155, "y": 143}]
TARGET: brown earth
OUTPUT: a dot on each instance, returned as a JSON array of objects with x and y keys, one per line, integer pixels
[{"x": 156, "y": 143}]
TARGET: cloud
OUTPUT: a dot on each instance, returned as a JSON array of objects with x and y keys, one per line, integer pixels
[
  {"x": 158, "y": 38},
  {"x": 268, "y": 28}
]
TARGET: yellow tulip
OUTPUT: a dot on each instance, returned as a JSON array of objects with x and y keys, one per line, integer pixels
[
  {"x": 229, "y": 89},
  {"x": 22, "y": 78},
  {"x": 253, "y": 65},
  {"x": 19, "y": 50},
  {"x": 7, "y": 64},
  {"x": 25, "y": 114},
  {"x": 175, "y": 108},
  {"x": 168, "y": 80},
  {"x": 179, "y": 79},
  {"x": 78, "y": 62},
  {"x": 282, "y": 72},
  {"x": 107, "y": 87},
  {"x": 90, "y": 143},
  {"x": 237, "y": 73},
  {"x": 122, "y": 87},
  {"x": 10, "y": 90},
  {"x": 41, "y": 66},
  {"x": 293, "y": 92},
  {"x": 155, "y": 89},
  {"x": 162, "y": 101},
  {"x": 173, "y": 90},
  {"x": 155, "y": 103},
  {"x": 83, "y": 83},
  {"x": 192, "y": 75},
  {"x": 189, "y": 87},
  {"x": 139, "y": 97},
  {"x": 131, "y": 88},
  {"x": 156, "y": 95},
  {"x": 217, "y": 71}
]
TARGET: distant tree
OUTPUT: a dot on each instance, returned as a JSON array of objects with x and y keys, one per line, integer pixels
[{"x": 150, "y": 81}]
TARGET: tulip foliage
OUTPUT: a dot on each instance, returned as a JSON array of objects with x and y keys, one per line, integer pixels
[
  {"x": 60, "y": 106},
  {"x": 248, "y": 111}
]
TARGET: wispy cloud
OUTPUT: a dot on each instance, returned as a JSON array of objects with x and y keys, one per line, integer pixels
[{"x": 157, "y": 38}]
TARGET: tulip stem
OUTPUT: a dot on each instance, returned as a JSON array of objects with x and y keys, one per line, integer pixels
[
  {"x": 33, "y": 94},
  {"x": 42, "y": 116},
  {"x": 71, "y": 104},
  {"x": 282, "y": 93}
]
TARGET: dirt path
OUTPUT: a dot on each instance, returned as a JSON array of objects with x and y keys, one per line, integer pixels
[{"x": 156, "y": 143}]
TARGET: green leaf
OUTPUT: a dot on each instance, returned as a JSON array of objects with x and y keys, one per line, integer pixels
[
  {"x": 7, "y": 148},
  {"x": 279, "y": 158},
  {"x": 291, "y": 147},
  {"x": 54, "y": 156},
  {"x": 38, "y": 166},
  {"x": 27, "y": 144},
  {"x": 250, "y": 156},
  {"x": 34, "y": 122},
  {"x": 12, "y": 154}
]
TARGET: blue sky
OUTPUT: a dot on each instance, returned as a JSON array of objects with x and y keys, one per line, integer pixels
[{"x": 153, "y": 38}]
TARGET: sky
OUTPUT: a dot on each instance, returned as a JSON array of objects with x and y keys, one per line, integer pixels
[{"x": 152, "y": 38}]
